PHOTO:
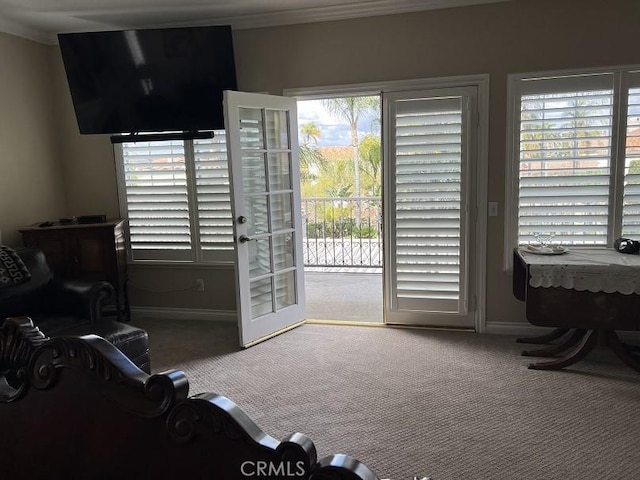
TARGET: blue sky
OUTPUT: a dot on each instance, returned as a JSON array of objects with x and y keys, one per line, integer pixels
[{"x": 334, "y": 131}]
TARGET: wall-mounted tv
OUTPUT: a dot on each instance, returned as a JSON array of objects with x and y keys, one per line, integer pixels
[{"x": 151, "y": 80}]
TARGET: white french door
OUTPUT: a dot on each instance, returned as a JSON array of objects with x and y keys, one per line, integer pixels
[
  {"x": 262, "y": 142},
  {"x": 430, "y": 139}
]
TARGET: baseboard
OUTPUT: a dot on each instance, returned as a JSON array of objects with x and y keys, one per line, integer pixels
[
  {"x": 526, "y": 330},
  {"x": 185, "y": 314},
  {"x": 515, "y": 328}
]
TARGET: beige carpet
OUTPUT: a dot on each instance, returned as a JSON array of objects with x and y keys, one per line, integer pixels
[{"x": 419, "y": 403}]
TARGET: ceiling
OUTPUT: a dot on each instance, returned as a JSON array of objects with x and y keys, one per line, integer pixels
[{"x": 41, "y": 20}]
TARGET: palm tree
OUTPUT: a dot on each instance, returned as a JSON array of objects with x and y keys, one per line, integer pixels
[
  {"x": 310, "y": 133},
  {"x": 311, "y": 160},
  {"x": 351, "y": 109},
  {"x": 370, "y": 156}
]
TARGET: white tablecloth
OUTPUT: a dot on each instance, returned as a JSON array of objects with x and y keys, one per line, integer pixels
[{"x": 592, "y": 269}]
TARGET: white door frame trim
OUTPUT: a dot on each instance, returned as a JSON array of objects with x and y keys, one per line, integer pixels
[{"x": 479, "y": 210}]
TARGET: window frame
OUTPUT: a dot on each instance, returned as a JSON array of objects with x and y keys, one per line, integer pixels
[
  {"x": 621, "y": 84},
  {"x": 196, "y": 256}
]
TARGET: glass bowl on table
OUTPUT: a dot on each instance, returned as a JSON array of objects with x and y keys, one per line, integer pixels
[{"x": 544, "y": 246}]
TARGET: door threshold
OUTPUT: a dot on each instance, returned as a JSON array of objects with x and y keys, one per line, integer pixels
[
  {"x": 348, "y": 323},
  {"x": 431, "y": 327},
  {"x": 273, "y": 334}
]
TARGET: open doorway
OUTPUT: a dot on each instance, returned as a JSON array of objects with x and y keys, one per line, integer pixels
[{"x": 341, "y": 185}]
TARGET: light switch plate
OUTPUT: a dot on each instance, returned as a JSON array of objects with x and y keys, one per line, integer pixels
[{"x": 493, "y": 209}]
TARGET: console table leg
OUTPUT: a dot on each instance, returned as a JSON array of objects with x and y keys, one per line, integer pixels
[
  {"x": 586, "y": 344},
  {"x": 623, "y": 352},
  {"x": 542, "y": 339},
  {"x": 574, "y": 337}
]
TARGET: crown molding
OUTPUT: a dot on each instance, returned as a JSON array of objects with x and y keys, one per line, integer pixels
[
  {"x": 339, "y": 12},
  {"x": 257, "y": 20},
  {"x": 22, "y": 31}
]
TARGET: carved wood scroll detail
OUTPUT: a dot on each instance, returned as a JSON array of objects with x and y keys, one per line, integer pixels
[
  {"x": 18, "y": 340},
  {"x": 32, "y": 366}
]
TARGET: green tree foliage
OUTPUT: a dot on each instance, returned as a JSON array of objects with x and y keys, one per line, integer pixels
[
  {"x": 634, "y": 167},
  {"x": 311, "y": 160},
  {"x": 371, "y": 165},
  {"x": 310, "y": 133},
  {"x": 336, "y": 178},
  {"x": 351, "y": 109}
]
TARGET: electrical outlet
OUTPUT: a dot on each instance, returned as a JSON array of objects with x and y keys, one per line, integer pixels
[{"x": 199, "y": 285}]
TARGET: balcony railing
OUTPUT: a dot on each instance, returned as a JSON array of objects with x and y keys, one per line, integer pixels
[{"x": 342, "y": 231}]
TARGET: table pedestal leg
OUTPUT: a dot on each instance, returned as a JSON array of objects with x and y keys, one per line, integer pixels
[
  {"x": 574, "y": 337},
  {"x": 587, "y": 343},
  {"x": 624, "y": 352},
  {"x": 542, "y": 339}
]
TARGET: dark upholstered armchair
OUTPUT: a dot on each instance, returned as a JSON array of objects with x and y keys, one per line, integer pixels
[
  {"x": 62, "y": 307},
  {"x": 54, "y": 304}
]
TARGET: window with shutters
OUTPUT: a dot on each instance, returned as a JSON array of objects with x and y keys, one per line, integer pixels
[
  {"x": 631, "y": 193},
  {"x": 175, "y": 195},
  {"x": 575, "y": 148}
]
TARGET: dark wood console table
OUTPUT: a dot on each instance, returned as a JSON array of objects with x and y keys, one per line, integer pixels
[
  {"x": 91, "y": 251},
  {"x": 586, "y": 295}
]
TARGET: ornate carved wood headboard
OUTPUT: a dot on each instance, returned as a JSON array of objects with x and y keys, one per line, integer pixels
[{"x": 75, "y": 407}]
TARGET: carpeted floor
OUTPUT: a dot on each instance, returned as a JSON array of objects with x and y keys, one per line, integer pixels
[{"x": 419, "y": 403}]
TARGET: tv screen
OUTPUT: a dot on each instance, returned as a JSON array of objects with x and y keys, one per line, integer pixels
[{"x": 149, "y": 80}]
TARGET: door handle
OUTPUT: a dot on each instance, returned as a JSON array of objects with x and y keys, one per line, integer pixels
[{"x": 245, "y": 239}]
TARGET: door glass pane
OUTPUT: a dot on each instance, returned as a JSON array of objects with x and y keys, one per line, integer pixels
[
  {"x": 285, "y": 290},
  {"x": 256, "y": 208},
  {"x": 283, "y": 251},
  {"x": 281, "y": 211},
  {"x": 280, "y": 171},
  {"x": 277, "y": 129},
  {"x": 253, "y": 173},
  {"x": 251, "y": 129},
  {"x": 259, "y": 257},
  {"x": 261, "y": 301}
]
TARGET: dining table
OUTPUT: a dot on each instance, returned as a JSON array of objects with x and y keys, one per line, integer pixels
[{"x": 588, "y": 295}]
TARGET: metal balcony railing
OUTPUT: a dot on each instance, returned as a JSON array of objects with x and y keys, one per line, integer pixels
[{"x": 342, "y": 231}]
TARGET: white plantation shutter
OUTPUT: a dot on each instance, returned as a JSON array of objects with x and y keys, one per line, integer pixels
[
  {"x": 177, "y": 199},
  {"x": 215, "y": 226},
  {"x": 631, "y": 194},
  {"x": 564, "y": 158},
  {"x": 428, "y": 151},
  {"x": 157, "y": 200}
]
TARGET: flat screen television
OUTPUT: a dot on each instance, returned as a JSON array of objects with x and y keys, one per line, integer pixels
[{"x": 153, "y": 80}]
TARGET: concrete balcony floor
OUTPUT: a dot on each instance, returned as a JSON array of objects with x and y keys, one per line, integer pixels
[{"x": 346, "y": 294}]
